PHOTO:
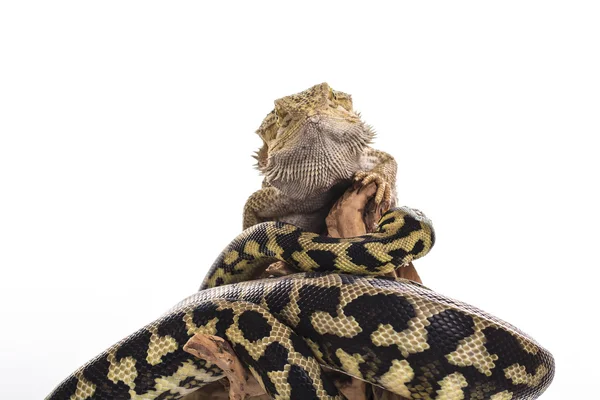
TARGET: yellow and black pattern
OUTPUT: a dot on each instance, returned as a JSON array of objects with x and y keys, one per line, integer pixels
[
  {"x": 392, "y": 333},
  {"x": 404, "y": 234}
]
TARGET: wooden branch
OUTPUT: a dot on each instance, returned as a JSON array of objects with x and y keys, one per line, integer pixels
[
  {"x": 217, "y": 351},
  {"x": 354, "y": 214},
  {"x": 351, "y": 388}
]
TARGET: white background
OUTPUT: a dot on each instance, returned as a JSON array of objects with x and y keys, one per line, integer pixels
[{"x": 127, "y": 129}]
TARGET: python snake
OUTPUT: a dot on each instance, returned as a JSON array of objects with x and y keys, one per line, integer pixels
[{"x": 393, "y": 333}]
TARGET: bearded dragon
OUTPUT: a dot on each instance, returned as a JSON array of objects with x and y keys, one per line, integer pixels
[{"x": 314, "y": 147}]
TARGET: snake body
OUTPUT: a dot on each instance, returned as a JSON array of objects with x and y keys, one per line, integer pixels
[
  {"x": 403, "y": 234},
  {"x": 392, "y": 333}
]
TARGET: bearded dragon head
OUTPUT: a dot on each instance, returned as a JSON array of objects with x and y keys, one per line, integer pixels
[{"x": 312, "y": 140}]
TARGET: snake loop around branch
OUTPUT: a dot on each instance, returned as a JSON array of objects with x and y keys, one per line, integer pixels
[{"x": 392, "y": 333}]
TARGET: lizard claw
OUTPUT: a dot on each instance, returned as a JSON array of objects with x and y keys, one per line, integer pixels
[{"x": 384, "y": 190}]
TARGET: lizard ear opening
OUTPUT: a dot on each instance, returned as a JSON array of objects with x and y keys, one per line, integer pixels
[{"x": 268, "y": 129}]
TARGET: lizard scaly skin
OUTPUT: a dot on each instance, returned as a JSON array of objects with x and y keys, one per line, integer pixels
[{"x": 314, "y": 146}]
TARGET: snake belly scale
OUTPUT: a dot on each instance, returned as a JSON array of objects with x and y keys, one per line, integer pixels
[{"x": 392, "y": 333}]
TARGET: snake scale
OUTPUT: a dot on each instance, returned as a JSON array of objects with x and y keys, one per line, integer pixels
[{"x": 338, "y": 313}]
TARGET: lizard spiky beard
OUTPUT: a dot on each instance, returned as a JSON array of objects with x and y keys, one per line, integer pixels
[{"x": 323, "y": 153}]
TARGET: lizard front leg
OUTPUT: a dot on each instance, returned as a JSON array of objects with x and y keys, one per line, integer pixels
[
  {"x": 265, "y": 204},
  {"x": 379, "y": 167}
]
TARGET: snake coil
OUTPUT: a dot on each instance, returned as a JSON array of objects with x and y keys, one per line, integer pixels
[{"x": 392, "y": 333}]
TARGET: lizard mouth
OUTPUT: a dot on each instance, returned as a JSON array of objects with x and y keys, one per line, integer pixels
[{"x": 323, "y": 152}]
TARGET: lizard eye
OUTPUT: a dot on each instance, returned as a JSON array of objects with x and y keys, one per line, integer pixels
[
  {"x": 332, "y": 94},
  {"x": 280, "y": 114}
]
